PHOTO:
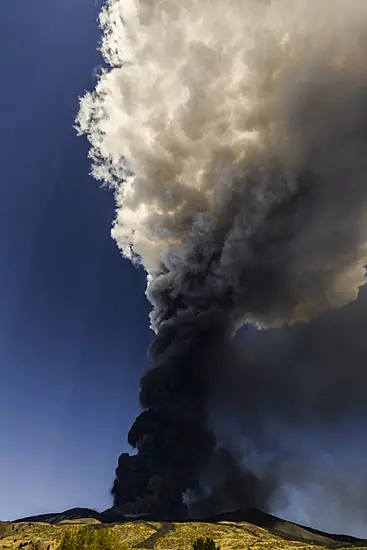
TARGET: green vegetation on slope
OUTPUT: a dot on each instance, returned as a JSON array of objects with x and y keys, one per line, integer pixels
[
  {"x": 86, "y": 538},
  {"x": 204, "y": 544}
]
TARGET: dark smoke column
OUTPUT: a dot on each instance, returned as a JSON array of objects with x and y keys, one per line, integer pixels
[{"x": 170, "y": 435}]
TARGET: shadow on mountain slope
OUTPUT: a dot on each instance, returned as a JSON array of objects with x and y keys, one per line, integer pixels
[
  {"x": 276, "y": 526},
  {"x": 287, "y": 529}
]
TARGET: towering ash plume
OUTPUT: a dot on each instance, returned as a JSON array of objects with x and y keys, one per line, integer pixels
[{"x": 234, "y": 137}]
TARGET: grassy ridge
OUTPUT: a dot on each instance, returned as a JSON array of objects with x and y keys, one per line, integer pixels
[{"x": 150, "y": 535}]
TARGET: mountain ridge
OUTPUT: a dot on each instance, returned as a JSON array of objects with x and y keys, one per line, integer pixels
[{"x": 284, "y": 529}]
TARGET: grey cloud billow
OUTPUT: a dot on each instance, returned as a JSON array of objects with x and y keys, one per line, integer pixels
[
  {"x": 233, "y": 136},
  {"x": 291, "y": 405}
]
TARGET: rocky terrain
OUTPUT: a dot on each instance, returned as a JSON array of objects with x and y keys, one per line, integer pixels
[{"x": 254, "y": 530}]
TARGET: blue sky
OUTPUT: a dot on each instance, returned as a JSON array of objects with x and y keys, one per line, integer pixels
[{"x": 73, "y": 315}]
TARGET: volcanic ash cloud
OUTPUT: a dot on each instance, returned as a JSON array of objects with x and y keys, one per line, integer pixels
[
  {"x": 238, "y": 128},
  {"x": 233, "y": 135}
]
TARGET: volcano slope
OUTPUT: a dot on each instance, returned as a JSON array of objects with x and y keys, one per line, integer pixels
[{"x": 253, "y": 529}]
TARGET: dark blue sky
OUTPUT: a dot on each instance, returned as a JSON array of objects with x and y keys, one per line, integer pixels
[{"x": 73, "y": 315}]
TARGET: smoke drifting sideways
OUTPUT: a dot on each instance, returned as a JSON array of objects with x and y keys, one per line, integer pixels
[
  {"x": 293, "y": 405},
  {"x": 233, "y": 136}
]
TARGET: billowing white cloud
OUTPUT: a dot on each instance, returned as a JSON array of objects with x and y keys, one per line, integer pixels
[{"x": 238, "y": 126}]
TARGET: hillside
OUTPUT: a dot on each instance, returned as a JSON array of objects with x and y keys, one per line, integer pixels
[{"x": 254, "y": 530}]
